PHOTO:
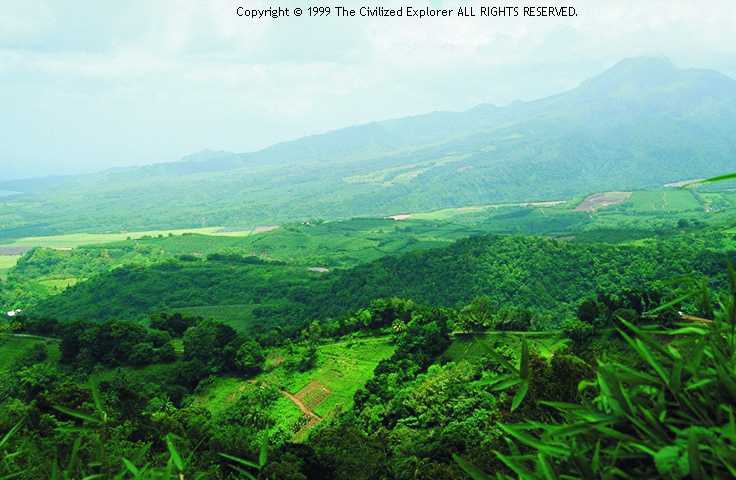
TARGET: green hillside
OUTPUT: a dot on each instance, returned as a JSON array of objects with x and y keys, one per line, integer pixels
[{"x": 544, "y": 275}]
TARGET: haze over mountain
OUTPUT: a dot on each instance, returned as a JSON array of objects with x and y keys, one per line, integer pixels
[{"x": 642, "y": 123}]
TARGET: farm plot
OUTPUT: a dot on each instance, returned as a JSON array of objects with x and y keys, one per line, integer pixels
[{"x": 597, "y": 201}]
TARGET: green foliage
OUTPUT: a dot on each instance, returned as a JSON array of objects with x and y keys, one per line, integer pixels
[
  {"x": 673, "y": 418},
  {"x": 249, "y": 357}
]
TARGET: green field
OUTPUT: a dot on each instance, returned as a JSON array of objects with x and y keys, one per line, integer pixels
[
  {"x": 13, "y": 346},
  {"x": 668, "y": 200},
  {"x": 6, "y": 263}
]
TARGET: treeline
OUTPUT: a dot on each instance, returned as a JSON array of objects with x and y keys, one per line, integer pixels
[{"x": 542, "y": 274}]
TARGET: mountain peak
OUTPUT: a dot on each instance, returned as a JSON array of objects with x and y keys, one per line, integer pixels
[
  {"x": 642, "y": 66},
  {"x": 657, "y": 79},
  {"x": 634, "y": 73}
]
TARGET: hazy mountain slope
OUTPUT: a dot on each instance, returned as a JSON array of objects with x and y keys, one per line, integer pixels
[{"x": 644, "y": 122}]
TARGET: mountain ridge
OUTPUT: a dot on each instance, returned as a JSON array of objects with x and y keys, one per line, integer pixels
[{"x": 641, "y": 123}]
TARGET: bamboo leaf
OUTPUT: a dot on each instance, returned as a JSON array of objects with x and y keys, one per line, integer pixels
[
  {"x": 174, "y": 453},
  {"x": 242, "y": 471},
  {"x": 467, "y": 467},
  {"x": 547, "y": 471},
  {"x": 505, "y": 384},
  {"x": 693, "y": 455},
  {"x": 720, "y": 178},
  {"x": 513, "y": 465},
  {"x": 263, "y": 454},
  {"x": 131, "y": 468},
  {"x": 77, "y": 414},
  {"x": 595, "y": 464},
  {"x": 671, "y": 304},
  {"x": 553, "y": 449},
  {"x": 241, "y": 461},
  {"x": 520, "y": 394},
  {"x": 10, "y": 433}
]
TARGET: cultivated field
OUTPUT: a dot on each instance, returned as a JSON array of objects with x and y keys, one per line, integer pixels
[
  {"x": 341, "y": 369},
  {"x": 597, "y": 201}
]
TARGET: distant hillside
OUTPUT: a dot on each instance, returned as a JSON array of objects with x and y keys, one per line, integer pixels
[
  {"x": 642, "y": 123},
  {"x": 541, "y": 274}
]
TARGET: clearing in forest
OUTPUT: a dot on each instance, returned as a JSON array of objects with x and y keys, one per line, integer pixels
[{"x": 601, "y": 200}]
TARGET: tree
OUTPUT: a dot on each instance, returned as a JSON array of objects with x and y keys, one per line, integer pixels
[
  {"x": 142, "y": 354},
  {"x": 249, "y": 358},
  {"x": 588, "y": 311},
  {"x": 212, "y": 343},
  {"x": 477, "y": 315}
]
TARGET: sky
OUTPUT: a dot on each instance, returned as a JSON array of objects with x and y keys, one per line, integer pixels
[{"x": 90, "y": 85}]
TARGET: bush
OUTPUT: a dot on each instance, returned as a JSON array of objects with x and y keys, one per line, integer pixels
[{"x": 578, "y": 331}]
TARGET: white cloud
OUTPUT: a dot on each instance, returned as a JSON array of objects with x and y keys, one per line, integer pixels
[{"x": 192, "y": 73}]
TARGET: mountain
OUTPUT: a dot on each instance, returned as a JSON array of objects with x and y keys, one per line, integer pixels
[{"x": 642, "y": 123}]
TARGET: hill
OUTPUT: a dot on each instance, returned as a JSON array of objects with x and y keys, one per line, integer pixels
[
  {"x": 545, "y": 275},
  {"x": 642, "y": 123}
]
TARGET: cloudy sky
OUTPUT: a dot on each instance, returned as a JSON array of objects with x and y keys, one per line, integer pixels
[{"x": 87, "y": 85}]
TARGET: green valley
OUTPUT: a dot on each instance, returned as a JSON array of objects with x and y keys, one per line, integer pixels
[{"x": 536, "y": 291}]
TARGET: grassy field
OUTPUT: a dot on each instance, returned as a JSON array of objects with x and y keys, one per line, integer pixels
[
  {"x": 74, "y": 240},
  {"x": 13, "y": 346},
  {"x": 6, "y": 263}
]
